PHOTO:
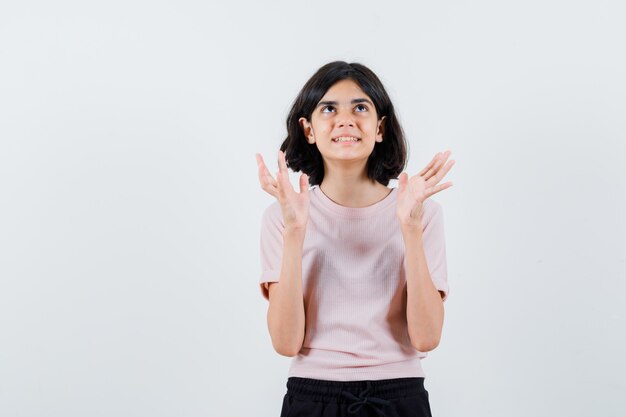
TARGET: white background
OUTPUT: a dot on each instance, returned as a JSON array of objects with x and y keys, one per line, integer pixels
[{"x": 130, "y": 205}]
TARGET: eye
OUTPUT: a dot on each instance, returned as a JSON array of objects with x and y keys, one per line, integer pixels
[
  {"x": 327, "y": 109},
  {"x": 361, "y": 108}
]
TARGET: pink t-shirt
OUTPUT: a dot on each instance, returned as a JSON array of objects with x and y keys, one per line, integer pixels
[{"x": 354, "y": 286}]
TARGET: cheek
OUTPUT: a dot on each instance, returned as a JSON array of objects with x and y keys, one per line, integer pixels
[
  {"x": 371, "y": 126},
  {"x": 322, "y": 126}
]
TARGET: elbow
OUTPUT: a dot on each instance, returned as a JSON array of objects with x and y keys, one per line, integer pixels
[
  {"x": 286, "y": 343},
  {"x": 425, "y": 345},
  {"x": 286, "y": 350},
  {"x": 287, "y": 335}
]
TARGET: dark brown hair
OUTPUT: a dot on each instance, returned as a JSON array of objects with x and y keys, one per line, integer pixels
[{"x": 389, "y": 157}]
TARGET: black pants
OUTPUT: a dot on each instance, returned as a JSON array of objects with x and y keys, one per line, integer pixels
[{"x": 399, "y": 397}]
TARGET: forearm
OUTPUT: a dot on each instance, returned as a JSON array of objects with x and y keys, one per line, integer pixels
[
  {"x": 424, "y": 305},
  {"x": 285, "y": 315}
]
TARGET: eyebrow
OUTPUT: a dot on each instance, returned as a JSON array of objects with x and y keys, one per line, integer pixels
[{"x": 334, "y": 103}]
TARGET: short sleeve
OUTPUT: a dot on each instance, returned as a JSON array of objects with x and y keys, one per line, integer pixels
[
  {"x": 271, "y": 241},
  {"x": 435, "y": 245}
]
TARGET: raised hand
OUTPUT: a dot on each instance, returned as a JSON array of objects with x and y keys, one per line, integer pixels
[
  {"x": 295, "y": 206},
  {"x": 413, "y": 192}
]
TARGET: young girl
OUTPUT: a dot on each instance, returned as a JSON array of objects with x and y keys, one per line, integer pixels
[{"x": 354, "y": 271}]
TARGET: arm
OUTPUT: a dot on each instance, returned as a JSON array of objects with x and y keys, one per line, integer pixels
[
  {"x": 285, "y": 315},
  {"x": 424, "y": 303}
]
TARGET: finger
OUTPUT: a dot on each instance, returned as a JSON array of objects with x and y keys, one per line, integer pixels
[
  {"x": 282, "y": 165},
  {"x": 261, "y": 164},
  {"x": 264, "y": 172},
  {"x": 439, "y": 159},
  {"x": 283, "y": 184},
  {"x": 304, "y": 183},
  {"x": 269, "y": 184},
  {"x": 442, "y": 172},
  {"x": 279, "y": 184},
  {"x": 447, "y": 168},
  {"x": 438, "y": 188},
  {"x": 402, "y": 182},
  {"x": 265, "y": 178},
  {"x": 434, "y": 177},
  {"x": 443, "y": 156},
  {"x": 268, "y": 187},
  {"x": 260, "y": 159},
  {"x": 430, "y": 164}
]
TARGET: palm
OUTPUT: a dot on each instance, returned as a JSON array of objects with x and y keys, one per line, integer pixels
[
  {"x": 413, "y": 192},
  {"x": 294, "y": 205},
  {"x": 411, "y": 198}
]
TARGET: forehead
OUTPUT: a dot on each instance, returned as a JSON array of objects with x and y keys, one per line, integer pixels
[{"x": 344, "y": 89}]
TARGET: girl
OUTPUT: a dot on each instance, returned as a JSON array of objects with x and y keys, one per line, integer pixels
[{"x": 354, "y": 271}]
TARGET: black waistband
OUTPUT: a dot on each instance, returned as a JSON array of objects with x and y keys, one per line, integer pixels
[{"x": 346, "y": 391}]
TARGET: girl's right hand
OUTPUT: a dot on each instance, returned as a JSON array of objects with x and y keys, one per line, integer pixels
[{"x": 295, "y": 206}]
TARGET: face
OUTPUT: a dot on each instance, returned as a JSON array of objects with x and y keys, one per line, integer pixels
[{"x": 344, "y": 124}]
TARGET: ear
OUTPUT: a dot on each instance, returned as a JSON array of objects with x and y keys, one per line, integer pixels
[
  {"x": 307, "y": 129},
  {"x": 380, "y": 130}
]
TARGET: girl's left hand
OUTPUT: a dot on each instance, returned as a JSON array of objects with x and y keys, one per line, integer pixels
[{"x": 413, "y": 192}]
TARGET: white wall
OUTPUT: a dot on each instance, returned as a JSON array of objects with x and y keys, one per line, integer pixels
[{"x": 130, "y": 205}]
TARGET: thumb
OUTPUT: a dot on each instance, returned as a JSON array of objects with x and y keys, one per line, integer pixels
[
  {"x": 402, "y": 182},
  {"x": 304, "y": 183}
]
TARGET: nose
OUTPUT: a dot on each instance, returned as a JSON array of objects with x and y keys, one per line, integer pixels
[{"x": 345, "y": 119}]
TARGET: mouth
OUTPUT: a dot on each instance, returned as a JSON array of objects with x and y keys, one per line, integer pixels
[{"x": 342, "y": 139}]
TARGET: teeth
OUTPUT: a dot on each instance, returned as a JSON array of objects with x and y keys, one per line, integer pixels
[{"x": 345, "y": 139}]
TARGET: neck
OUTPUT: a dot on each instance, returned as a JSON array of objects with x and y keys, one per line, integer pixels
[{"x": 350, "y": 187}]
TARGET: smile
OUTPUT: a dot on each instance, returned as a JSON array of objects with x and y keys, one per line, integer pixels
[{"x": 346, "y": 139}]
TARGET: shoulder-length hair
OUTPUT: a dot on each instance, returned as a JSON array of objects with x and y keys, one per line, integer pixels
[{"x": 388, "y": 158}]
